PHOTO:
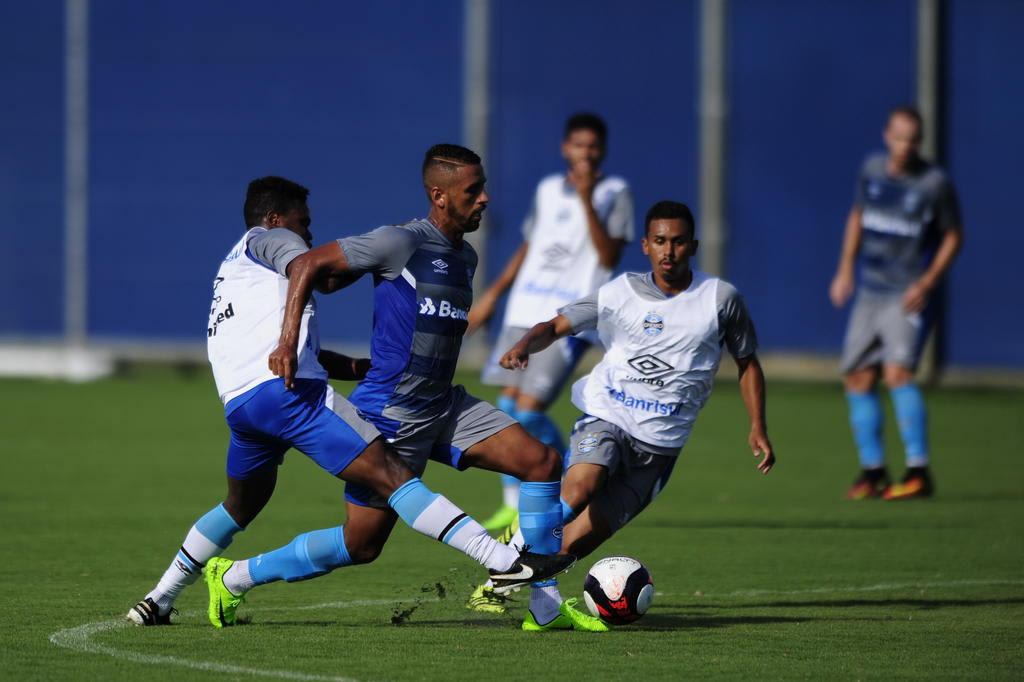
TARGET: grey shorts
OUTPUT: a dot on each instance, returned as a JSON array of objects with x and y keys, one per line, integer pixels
[
  {"x": 547, "y": 372},
  {"x": 880, "y": 332},
  {"x": 635, "y": 474},
  {"x": 464, "y": 423}
]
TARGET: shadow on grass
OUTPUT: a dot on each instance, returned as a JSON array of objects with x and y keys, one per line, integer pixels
[
  {"x": 922, "y": 604},
  {"x": 714, "y": 524}
]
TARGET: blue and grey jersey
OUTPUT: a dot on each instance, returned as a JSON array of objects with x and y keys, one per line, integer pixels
[
  {"x": 903, "y": 219},
  {"x": 423, "y": 288}
]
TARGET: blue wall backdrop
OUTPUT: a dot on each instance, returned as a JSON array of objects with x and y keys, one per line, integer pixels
[{"x": 190, "y": 100}]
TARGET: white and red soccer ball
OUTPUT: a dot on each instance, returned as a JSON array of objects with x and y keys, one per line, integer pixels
[{"x": 618, "y": 590}]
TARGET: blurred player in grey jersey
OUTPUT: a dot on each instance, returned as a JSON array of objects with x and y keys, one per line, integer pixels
[
  {"x": 572, "y": 240},
  {"x": 905, "y": 230}
]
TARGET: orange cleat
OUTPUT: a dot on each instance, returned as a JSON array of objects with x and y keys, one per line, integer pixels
[
  {"x": 915, "y": 484},
  {"x": 869, "y": 485}
]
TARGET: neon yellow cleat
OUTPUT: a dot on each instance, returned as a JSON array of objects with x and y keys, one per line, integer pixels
[
  {"x": 560, "y": 622},
  {"x": 223, "y": 603},
  {"x": 501, "y": 518},
  {"x": 510, "y": 531},
  {"x": 485, "y": 600},
  {"x": 580, "y": 620}
]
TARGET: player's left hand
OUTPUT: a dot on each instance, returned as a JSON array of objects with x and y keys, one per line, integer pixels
[
  {"x": 360, "y": 367},
  {"x": 916, "y": 297},
  {"x": 762, "y": 447},
  {"x": 515, "y": 359}
]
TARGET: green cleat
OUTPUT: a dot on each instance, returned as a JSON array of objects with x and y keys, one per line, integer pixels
[
  {"x": 581, "y": 621},
  {"x": 568, "y": 618},
  {"x": 501, "y": 518},
  {"x": 223, "y": 603},
  {"x": 485, "y": 600},
  {"x": 510, "y": 531}
]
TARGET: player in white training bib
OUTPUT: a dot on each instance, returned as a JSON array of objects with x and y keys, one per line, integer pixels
[
  {"x": 663, "y": 332},
  {"x": 573, "y": 238}
]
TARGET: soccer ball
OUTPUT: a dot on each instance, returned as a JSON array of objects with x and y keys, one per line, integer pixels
[{"x": 618, "y": 590}]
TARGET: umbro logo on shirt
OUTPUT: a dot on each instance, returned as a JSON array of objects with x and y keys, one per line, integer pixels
[
  {"x": 648, "y": 364},
  {"x": 442, "y": 309},
  {"x": 440, "y": 266}
]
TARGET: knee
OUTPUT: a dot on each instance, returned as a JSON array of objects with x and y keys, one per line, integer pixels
[
  {"x": 545, "y": 464},
  {"x": 897, "y": 376},
  {"x": 861, "y": 381},
  {"x": 577, "y": 493},
  {"x": 365, "y": 553}
]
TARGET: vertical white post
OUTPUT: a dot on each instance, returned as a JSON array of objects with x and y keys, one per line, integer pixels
[
  {"x": 713, "y": 230},
  {"x": 476, "y": 104},
  {"x": 76, "y": 169}
]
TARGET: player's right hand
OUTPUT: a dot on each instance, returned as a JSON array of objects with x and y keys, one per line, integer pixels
[
  {"x": 283, "y": 363},
  {"x": 515, "y": 359},
  {"x": 841, "y": 288}
]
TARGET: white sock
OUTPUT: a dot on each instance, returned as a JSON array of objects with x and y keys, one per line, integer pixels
[
  {"x": 237, "y": 578},
  {"x": 544, "y": 603},
  {"x": 443, "y": 521},
  {"x": 184, "y": 570},
  {"x": 517, "y": 540},
  {"x": 510, "y": 495}
]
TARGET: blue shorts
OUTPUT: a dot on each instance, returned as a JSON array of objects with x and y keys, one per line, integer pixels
[{"x": 267, "y": 420}]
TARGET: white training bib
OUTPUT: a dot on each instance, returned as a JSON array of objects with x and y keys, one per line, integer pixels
[
  {"x": 561, "y": 264},
  {"x": 245, "y": 324},
  {"x": 660, "y": 361}
]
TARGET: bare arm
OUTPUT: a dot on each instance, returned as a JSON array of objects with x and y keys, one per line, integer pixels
[
  {"x": 609, "y": 249},
  {"x": 916, "y": 297},
  {"x": 537, "y": 339},
  {"x": 484, "y": 308},
  {"x": 843, "y": 282},
  {"x": 342, "y": 367},
  {"x": 325, "y": 263},
  {"x": 753, "y": 391}
]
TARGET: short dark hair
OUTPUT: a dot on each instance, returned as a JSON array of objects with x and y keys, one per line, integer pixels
[
  {"x": 670, "y": 210},
  {"x": 448, "y": 157},
  {"x": 587, "y": 121},
  {"x": 271, "y": 194},
  {"x": 910, "y": 112}
]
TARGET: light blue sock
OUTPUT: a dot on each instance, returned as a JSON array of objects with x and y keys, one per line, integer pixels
[
  {"x": 210, "y": 536},
  {"x": 866, "y": 422},
  {"x": 540, "y": 426},
  {"x": 507, "y": 404},
  {"x": 540, "y": 518},
  {"x": 307, "y": 556},
  {"x": 411, "y": 499},
  {"x": 567, "y": 513},
  {"x": 912, "y": 418}
]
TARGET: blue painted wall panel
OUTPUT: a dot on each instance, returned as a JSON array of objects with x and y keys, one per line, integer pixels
[
  {"x": 32, "y": 167},
  {"x": 984, "y": 150},
  {"x": 189, "y": 102},
  {"x": 636, "y": 68},
  {"x": 810, "y": 86}
]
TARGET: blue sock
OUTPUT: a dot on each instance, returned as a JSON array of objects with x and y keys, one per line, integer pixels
[
  {"x": 411, "y": 499},
  {"x": 866, "y": 422},
  {"x": 307, "y": 556},
  {"x": 567, "y": 513},
  {"x": 540, "y": 426},
  {"x": 912, "y": 418},
  {"x": 507, "y": 404},
  {"x": 540, "y": 518}
]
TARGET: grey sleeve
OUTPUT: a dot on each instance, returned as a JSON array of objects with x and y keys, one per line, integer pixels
[
  {"x": 947, "y": 207},
  {"x": 620, "y": 219},
  {"x": 383, "y": 251},
  {"x": 530, "y": 221},
  {"x": 582, "y": 314},
  {"x": 276, "y": 249},
  {"x": 735, "y": 328}
]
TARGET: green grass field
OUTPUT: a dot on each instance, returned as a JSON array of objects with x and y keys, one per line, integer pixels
[{"x": 757, "y": 577}]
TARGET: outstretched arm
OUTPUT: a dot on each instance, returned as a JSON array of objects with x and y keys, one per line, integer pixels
[
  {"x": 325, "y": 263},
  {"x": 484, "y": 308},
  {"x": 537, "y": 339},
  {"x": 752, "y": 390}
]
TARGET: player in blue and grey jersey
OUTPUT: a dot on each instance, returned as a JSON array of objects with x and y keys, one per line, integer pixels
[
  {"x": 905, "y": 230},
  {"x": 266, "y": 418},
  {"x": 422, "y": 276}
]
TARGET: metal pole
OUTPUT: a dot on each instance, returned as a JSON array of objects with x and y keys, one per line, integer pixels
[
  {"x": 76, "y": 170},
  {"x": 476, "y": 100},
  {"x": 713, "y": 230},
  {"x": 928, "y": 74}
]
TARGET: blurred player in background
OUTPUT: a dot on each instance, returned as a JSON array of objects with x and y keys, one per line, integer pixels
[
  {"x": 663, "y": 333},
  {"x": 267, "y": 417},
  {"x": 423, "y": 289},
  {"x": 572, "y": 240},
  {"x": 905, "y": 229}
]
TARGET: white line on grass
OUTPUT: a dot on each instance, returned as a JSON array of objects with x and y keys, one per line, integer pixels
[{"x": 80, "y": 638}]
